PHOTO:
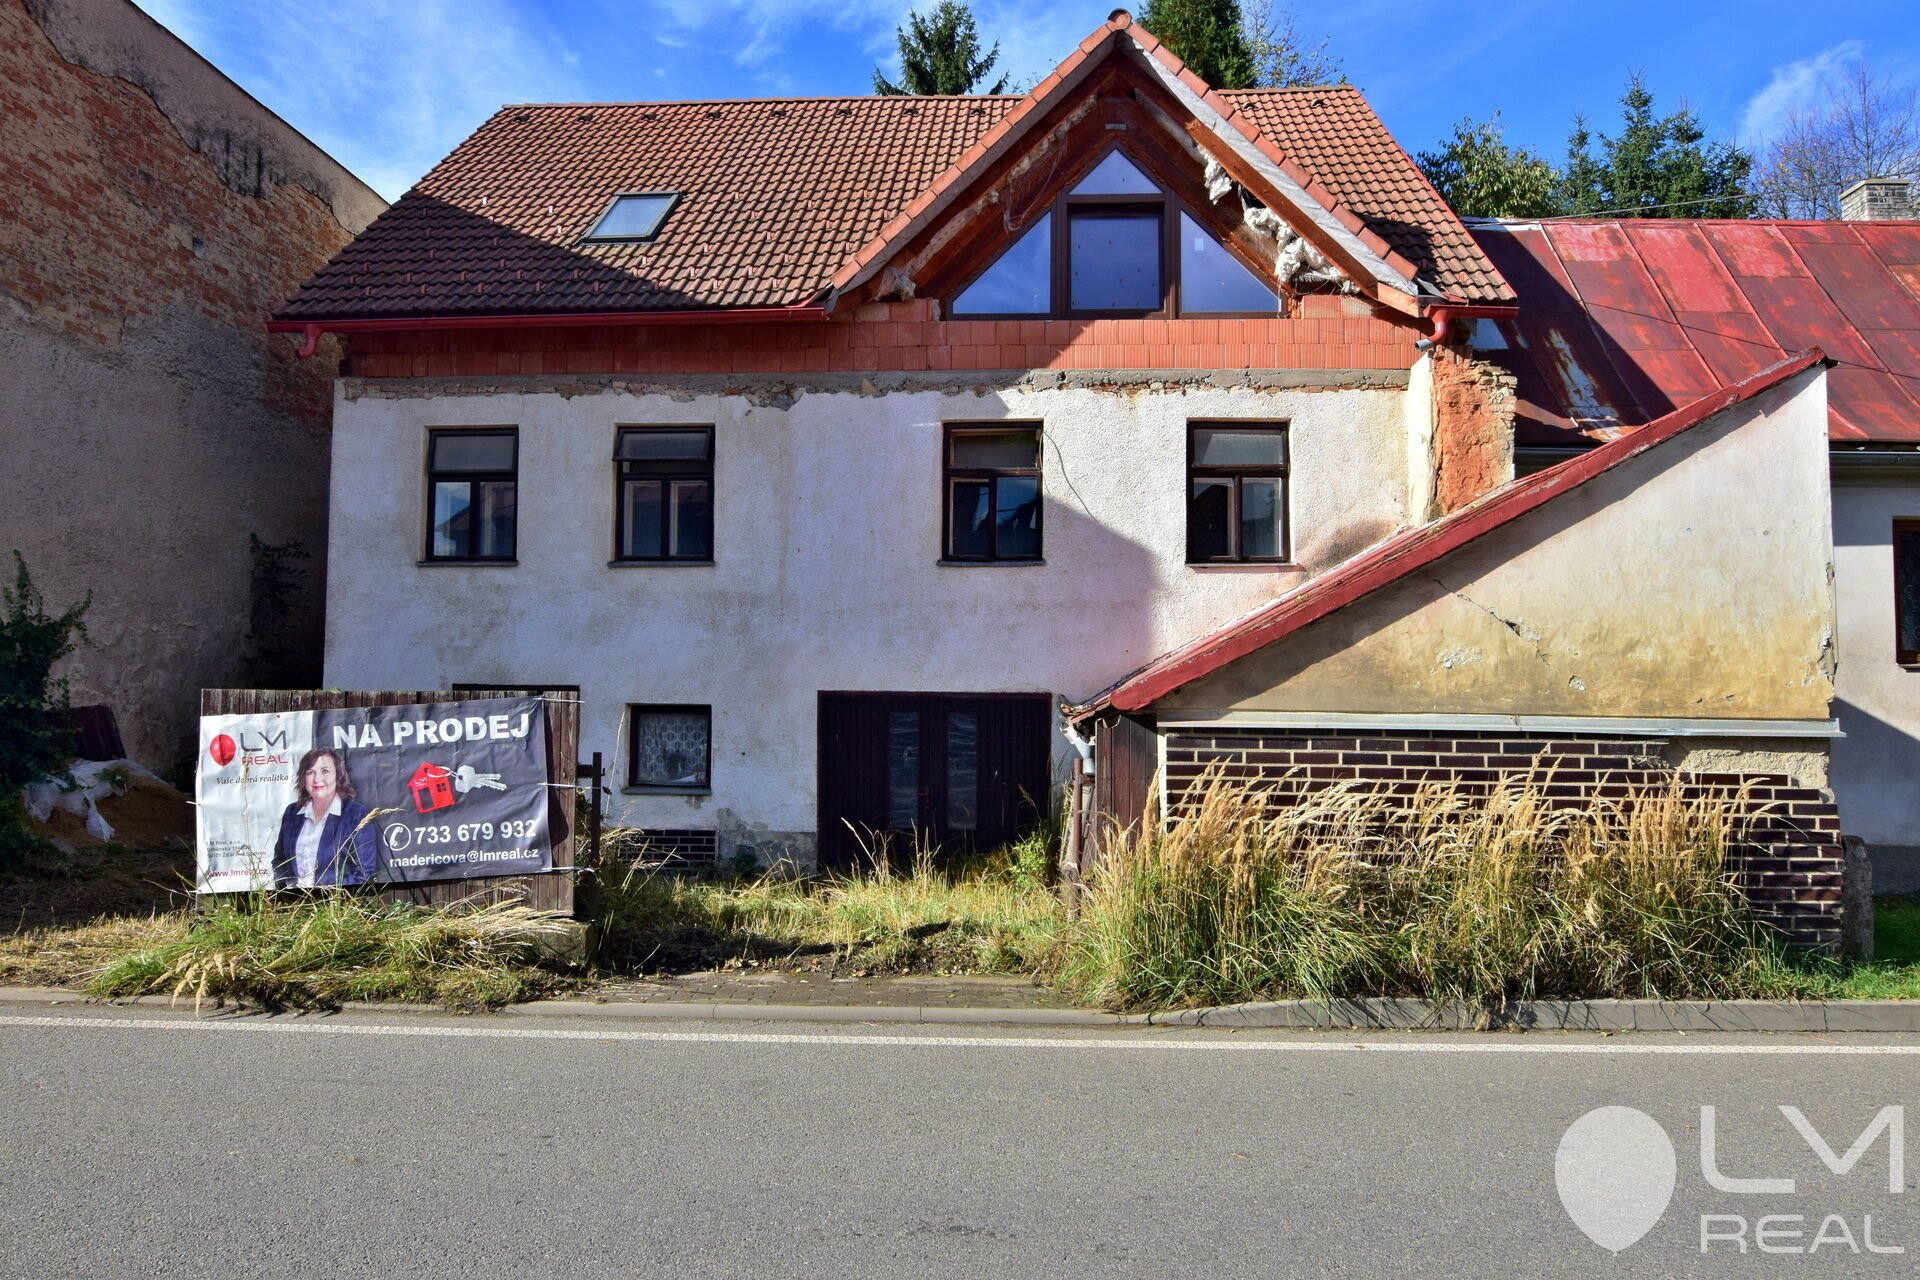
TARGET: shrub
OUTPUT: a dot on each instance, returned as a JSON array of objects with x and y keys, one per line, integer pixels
[
  {"x": 33, "y": 744},
  {"x": 1440, "y": 895}
]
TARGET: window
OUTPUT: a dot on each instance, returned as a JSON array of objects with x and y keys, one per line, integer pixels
[
  {"x": 472, "y": 493},
  {"x": 663, "y": 506},
  {"x": 993, "y": 492},
  {"x": 1116, "y": 244},
  {"x": 634, "y": 217},
  {"x": 669, "y": 747},
  {"x": 1906, "y": 592},
  {"x": 1236, "y": 493}
]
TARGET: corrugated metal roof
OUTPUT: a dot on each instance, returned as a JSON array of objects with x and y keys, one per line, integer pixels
[{"x": 1621, "y": 321}]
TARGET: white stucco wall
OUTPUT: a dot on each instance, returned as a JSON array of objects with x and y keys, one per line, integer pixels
[
  {"x": 825, "y": 576},
  {"x": 1876, "y": 766}
]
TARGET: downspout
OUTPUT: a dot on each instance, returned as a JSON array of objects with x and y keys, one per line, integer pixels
[
  {"x": 312, "y": 343},
  {"x": 1070, "y": 857},
  {"x": 1444, "y": 316}
]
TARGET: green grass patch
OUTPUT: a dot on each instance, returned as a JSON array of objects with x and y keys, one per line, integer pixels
[{"x": 323, "y": 951}]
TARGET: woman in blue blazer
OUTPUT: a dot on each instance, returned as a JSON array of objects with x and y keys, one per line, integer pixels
[{"x": 325, "y": 838}]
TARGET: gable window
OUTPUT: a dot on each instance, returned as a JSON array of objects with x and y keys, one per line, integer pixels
[
  {"x": 634, "y": 217},
  {"x": 992, "y": 481},
  {"x": 670, "y": 747},
  {"x": 1236, "y": 493},
  {"x": 1116, "y": 244},
  {"x": 1906, "y": 592},
  {"x": 664, "y": 506},
  {"x": 472, "y": 487}
]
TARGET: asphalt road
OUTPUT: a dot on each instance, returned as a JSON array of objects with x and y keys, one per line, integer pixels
[{"x": 139, "y": 1142}]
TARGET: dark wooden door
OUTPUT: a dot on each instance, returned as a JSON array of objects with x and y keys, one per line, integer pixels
[{"x": 958, "y": 770}]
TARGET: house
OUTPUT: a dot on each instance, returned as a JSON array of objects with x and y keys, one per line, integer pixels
[
  {"x": 837, "y": 453},
  {"x": 161, "y": 451},
  {"x": 1620, "y": 321}
]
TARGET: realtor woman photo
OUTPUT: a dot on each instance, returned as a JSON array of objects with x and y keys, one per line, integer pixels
[{"x": 325, "y": 838}]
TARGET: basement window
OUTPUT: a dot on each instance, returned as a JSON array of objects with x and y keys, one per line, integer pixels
[
  {"x": 634, "y": 217},
  {"x": 669, "y": 747}
]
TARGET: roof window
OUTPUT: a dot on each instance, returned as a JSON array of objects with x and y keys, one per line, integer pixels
[{"x": 634, "y": 216}]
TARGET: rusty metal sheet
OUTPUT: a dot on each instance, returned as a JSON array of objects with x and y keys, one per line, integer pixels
[
  {"x": 1872, "y": 404},
  {"x": 1861, "y": 286},
  {"x": 1681, "y": 376},
  {"x": 1686, "y": 270},
  {"x": 1753, "y": 249},
  {"x": 1899, "y": 350},
  {"x": 1732, "y": 345},
  {"x": 1589, "y": 241},
  {"x": 1799, "y": 314},
  {"x": 1579, "y": 378},
  {"x": 1799, "y": 233},
  {"x": 1893, "y": 242},
  {"x": 1526, "y": 258}
]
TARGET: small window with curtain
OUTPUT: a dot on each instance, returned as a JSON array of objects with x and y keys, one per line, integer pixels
[
  {"x": 1906, "y": 592},
  {"x": 1236, "y": 493},
  {"x": 472, "y": 493},
  {"x": 669, "y": 747},
  {"x": 993, "y": 492},
  {"x": 663, "y": 510}
]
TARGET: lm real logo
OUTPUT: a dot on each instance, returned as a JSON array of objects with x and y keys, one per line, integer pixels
[
  {"x": 260, "y": 747},
  {"x": 1616, "y": 1171}
]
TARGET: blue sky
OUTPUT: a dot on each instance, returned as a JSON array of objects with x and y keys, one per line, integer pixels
[{"x": 390, "y": 86}]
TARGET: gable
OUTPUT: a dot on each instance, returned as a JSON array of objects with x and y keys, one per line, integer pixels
[
  {"x": 782, "y": 201},
  {"x": 1682, "y": 571}
]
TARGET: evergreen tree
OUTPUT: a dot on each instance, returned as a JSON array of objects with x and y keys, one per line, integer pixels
[
  {"x": 940, "y": 54},
  {"x": 1477, "y": 173},
  {"x": 1208, "y": 35},
  {"x": 1656, "y": 167}
]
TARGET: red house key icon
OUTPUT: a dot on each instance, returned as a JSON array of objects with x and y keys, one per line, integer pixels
[{"x": 432, "y": 788}]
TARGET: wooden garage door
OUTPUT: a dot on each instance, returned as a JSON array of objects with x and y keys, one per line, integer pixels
[{"x": 966, "y": 771}]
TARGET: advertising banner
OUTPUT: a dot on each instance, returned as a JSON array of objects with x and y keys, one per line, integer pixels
[{"x": 373, "y": 795}]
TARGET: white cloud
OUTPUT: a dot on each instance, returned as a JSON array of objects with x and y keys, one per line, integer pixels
[
  {"x": 1795, "y": 86},
  {"x": 386, "y": 89}
]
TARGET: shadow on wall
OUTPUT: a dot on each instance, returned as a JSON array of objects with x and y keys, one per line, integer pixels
[{"x": 1874, "y": 779}]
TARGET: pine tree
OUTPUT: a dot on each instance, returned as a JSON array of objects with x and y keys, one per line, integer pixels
[
  {"x": 1656, "y": 167},
  {"x": 940, "y": 54},
  {"x": 1208, "y": 35}
]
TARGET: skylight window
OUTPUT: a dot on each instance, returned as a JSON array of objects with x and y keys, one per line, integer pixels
[{"x": 634, "y": 217}]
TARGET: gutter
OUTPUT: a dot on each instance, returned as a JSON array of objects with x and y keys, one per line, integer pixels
[
  {"x": 1447, "y": 312},
  {"x": 312, "y": 329}
]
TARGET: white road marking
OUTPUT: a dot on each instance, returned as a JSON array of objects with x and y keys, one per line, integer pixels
[{"x": 1129, "y": 1041}]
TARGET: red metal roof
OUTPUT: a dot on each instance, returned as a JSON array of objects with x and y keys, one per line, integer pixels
[
  {"x": 780, "y": 195},
  {"x": 1411, "y": 550},
  {"x": 1621, "y": 321}
]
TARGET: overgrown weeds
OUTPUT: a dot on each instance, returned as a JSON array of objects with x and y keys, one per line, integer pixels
[
  {"x": 322, "y": 951},
  {"x": 1441, "y": 895}
]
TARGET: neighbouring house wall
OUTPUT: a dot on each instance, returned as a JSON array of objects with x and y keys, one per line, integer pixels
[
  {"x": 826, "y": 573},
  {"x": 1692, "y": 581},
  {"x": 1876, "y": 699},
  {"x": 1787, "y": 829},
  {"x": 151, "y": 215}
]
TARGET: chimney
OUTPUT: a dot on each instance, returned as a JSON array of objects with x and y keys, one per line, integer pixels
[{"x": 1877, "y": 200}]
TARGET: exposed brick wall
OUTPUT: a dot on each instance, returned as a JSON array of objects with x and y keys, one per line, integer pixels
[
  {"x": 152, "y": 424},
  {"x": 1789, "y": 857},
  {"x": 899, "y": 336},
  {"x": 1473, "y": 406}
]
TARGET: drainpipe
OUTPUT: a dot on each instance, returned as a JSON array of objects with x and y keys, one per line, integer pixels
[
  {"x": 312, "y": 343},
  {"x": 1444, "y": 316},
  {"x": 1076, "y": 805}
]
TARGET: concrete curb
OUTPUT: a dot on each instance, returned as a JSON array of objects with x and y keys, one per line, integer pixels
[{"x": 1383, "y": 1014}]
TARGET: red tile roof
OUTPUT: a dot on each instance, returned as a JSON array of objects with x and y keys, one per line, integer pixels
[
  {"x": 1412, "y": 550},
  {"x": 781, "y": 194},
  {"x": 1621, "y": 321}
]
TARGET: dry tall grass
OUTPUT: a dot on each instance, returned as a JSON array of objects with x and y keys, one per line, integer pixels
[{"x": 1441, "y": 895}]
